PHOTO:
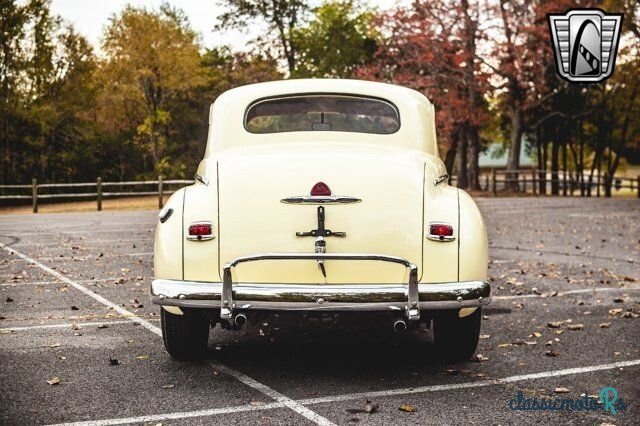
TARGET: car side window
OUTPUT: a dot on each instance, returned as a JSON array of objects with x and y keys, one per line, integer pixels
[{"x": 338, "y": 113}]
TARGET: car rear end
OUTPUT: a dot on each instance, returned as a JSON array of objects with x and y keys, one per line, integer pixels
[{"x": 326, "y": 205}]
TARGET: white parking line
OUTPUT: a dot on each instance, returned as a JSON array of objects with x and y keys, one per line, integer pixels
[
  {"x": 19, "y": 283},
  {"x": 361, "y": 395},
  {"x": 175, "y": 416},
  {"x": 478, "y": 384},
  {"x": 92, "y": 241},
  {"x": 66, "y": 325},
  {"x": 568, "y": 292},
  {"x": 303, "y": 411}
]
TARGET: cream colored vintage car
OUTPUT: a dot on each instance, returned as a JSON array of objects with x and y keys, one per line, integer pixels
[{"x": 321, "y": 196}]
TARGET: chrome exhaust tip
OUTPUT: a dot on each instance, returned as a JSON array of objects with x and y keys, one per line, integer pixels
[
  {"x": 400, "y": 326},
  {"x": 240, "y": 320}
]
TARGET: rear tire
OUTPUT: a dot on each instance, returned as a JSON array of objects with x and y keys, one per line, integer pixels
[
  {"x": 456, "y": 339},
  {"x": 185, "y": 336}
]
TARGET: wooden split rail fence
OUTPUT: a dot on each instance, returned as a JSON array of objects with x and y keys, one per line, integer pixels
[
  {"x": 159, "y": 186},
  {"x": 526, "y": 181},
  {"x": 531, "y": 181}
]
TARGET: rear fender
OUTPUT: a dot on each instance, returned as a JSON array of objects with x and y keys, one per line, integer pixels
[
  {"x": 167, "y": 259},
  {"x": 201, "y": 258},
  {"x": 473, "y": 243},
  {"x": 440, "y": 258}
]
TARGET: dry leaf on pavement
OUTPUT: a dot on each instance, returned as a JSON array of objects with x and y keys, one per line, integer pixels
[{"x": 407, "y": 408}]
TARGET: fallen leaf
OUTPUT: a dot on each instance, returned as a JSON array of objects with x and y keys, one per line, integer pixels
[
  {"x": 561, "y": 390},
  {"x": 113, "y": 361},
  {"x": 103, "y": 326},
  {"x": 75, "y": 308},
  {"x": 370, "y": 407},
  {"x": 575, "y": 326},
  {"x": 605, "y": 325},
  {"x": 554, "y": 324},
  {"x": 6, "y": 331},
  {"x": 479, "y": 358},
  {"x": 54, "y": 381},
  {"x": 142, "y": 357},
  {"x": 504, "y": 345},
  {"x": 168, "y": 386},
  {"x": 615, "y": 311},
  {"x": 485, "y": 336},
  {"x": 618, "y": 300},
  {"x": 407, "y": 408},
  {"x": 552, "y": 353},
  {"x": 549, "y": 343},
  {"x": 537, "y": 334},
  {"x": 53, "y": 345}
]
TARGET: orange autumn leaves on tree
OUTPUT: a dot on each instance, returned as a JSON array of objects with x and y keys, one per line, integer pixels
[{"x": 433, "y": 48}]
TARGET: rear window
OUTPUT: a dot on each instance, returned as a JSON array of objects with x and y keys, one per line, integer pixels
[{"x": 321, "y": 113}]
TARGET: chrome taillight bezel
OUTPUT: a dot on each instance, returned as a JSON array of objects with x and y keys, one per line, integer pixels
[
  {"x": 200, "y": 237},
  {"x": 438, "y": 237}
]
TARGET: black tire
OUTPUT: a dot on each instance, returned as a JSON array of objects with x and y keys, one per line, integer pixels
[
  {"x": 185, "y": 336},
  {"x": 456, "y": 339}
]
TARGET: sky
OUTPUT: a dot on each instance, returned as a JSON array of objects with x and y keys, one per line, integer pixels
[{"x": 90, "y": 17}]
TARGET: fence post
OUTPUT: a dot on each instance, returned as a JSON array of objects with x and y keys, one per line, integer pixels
[
  {"x": 564, "y": 183},
  {"x": 160, "y": 194},
  {"x": 486, "y": 183},
  {"x": 494, "y": 187},
  {"x": 99, "y": 190},
  {"x": 34, "y": 184},
  {"x": 638, "y": 186},
  {"x": 533, "y": 181}
]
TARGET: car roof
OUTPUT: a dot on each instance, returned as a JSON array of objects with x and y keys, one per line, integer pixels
[{"x": 226, "y": 118}]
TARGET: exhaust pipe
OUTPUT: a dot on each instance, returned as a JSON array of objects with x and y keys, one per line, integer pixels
[
  {"x": 400, "y": 326},
  {"x": 240, "y": 320}
]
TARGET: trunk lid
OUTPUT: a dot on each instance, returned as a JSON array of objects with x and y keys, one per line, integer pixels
[{"x": 252, "y": 219}]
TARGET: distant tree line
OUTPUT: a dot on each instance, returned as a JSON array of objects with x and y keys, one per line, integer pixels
[{"x": 138, "y": 107}]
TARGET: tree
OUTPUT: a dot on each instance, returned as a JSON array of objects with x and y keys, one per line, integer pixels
[
  {"x": 525, "y": 58},
  {"x": 282, "y": 17},
  {"x": 152, "y": 62},
  {"x": 45, "y": 76},
  {"x": 12, "y": 63},
  {"x": 338, "y": 39},
  {"x": 432, "y": 48}
]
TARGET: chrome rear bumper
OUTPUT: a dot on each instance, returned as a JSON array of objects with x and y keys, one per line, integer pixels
[{"x": 408, "y": 298}]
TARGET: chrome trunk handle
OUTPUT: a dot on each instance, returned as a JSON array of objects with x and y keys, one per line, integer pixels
[{"x": 412, "y": 310}]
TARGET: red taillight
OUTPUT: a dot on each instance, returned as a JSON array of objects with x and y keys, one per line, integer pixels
[
  {"x": 200, "y": 231},
  {"x": 320, "y": 189},
  {"x": 440, "y": 232}
]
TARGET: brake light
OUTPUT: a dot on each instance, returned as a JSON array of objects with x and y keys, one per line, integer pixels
[
  {"x": 320, "y": 189},
  {"x": 440, "y": 232},
  {"x": 200, "y": 231}
]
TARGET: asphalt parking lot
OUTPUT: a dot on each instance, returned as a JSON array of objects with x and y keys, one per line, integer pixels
[{"x": 564, "y": 322}]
